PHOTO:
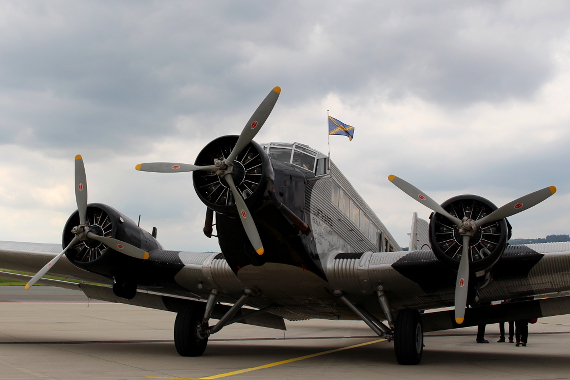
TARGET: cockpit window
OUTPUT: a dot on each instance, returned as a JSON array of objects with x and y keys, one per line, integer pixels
[
  {"x": 321, "y": 166},
  {"x": 303, "y": 160},
  {"x": 299, "y": 155},
  {"x": 280, "y": 154}
]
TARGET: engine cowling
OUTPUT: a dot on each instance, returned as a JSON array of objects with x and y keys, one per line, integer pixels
[
  {"x": 487, "y": 244},
  {"x": 251, "y": 174},
  {"x": 95, "y": 256}
]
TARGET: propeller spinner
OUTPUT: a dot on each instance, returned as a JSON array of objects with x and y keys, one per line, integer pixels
[
  {"x": 82, "y": 231},
  {"x": 224, "y": 168},
  {"x": 467, "y": 228}
]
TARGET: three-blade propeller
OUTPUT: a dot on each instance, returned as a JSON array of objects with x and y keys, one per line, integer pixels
[
  {"x": 224, "y": 168},
  {"x": 82, "y": 231},
  {"x": 467, "y": 228}
]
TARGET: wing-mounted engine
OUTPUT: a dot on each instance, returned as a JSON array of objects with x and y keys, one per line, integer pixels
[
  {"x": 96, "y": 256},
  {"x": 251, "y": 173},
  {"x": 100, "y": 239},
  {"x": 469, "y": 233},
  {"x": 485, "y": 246}
]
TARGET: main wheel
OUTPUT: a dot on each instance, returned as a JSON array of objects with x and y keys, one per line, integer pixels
[
  {"x": 408, "y": 337},
  {"x": 187, "y": 337}
]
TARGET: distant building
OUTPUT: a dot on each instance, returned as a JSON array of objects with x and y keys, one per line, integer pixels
[{"x": 548, "y": 239}]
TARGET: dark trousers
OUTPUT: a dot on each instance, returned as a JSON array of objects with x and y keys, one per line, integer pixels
[
  {"x": 521, "y": 331},
  {"x": 481, "y": 331},
  {"x": 511, "y": 329}
]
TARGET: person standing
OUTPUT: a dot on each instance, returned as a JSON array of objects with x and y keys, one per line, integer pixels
[
  {"x": 481, "y": 333},
  {"x": 502, "y": 328},
  {"x": 481, "y": 327},
  {"x": 521, "y": 326},
  {"x": 502, "y": 331},
  {"x": 521, "y": 332}
]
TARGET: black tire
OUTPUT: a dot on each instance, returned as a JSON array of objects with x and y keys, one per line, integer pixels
[
  {"x": 408, "y": 337},
  {"x": 186, "y": 327}
]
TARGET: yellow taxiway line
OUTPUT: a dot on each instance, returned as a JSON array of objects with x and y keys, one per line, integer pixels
[{"x": 270, "y": 364}]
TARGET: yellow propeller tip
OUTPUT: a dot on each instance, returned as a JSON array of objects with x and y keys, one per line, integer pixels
[
  {"x": 146, "y": 255},
  {"x": 552, "y": 189},
  {"x": 391, "y": 177},
  {"x": 78, "y": 157},
  {"x": 277, "y": 89},
  {"x": 27, "y": 286},
  {"x": 459, "y": 320},
  {"x": 260, "y": 251},
  {"x": 138, "y": 167}
]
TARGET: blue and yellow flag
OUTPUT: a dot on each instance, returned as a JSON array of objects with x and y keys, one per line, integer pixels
[{"x": 337, "y": 127}]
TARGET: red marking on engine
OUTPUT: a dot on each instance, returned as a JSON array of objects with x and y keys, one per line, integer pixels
[
  {"x": 422, "y": 197},
  {"x": 253, "y": 125},
  {"x": 518, "y": 205},
  {"x": 176, "y": 167},
  {"x": 461, "y": 282},
  {"x": 80, "y": 187},
  {"x": 243, "y": 213},
  {"x": 120, "y": 246}
]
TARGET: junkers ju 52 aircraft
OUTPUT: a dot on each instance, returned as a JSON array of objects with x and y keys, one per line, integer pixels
[{"x": 298, "y": 242}]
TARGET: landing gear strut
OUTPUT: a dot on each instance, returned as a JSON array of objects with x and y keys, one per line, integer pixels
[
  {"x": 191, "y": 328},
  {"x": 408, "y": 337}
]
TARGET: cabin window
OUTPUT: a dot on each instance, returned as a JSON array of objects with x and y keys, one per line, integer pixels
[
  {"x": 335, "y": 194},
  {"x": 364, "y": 224},
  {"x": 280, "y": 154},
  {"x": 344, "y": 203},
  {"x": 354, "y": 214},
  {"x": 372, "y": 233}
]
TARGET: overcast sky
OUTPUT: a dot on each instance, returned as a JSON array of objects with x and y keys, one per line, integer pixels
[{"x": 454, "y": 97}]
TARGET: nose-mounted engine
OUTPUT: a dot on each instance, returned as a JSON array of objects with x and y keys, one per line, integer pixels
[
  {"x": 487, "y": 243},
  {"x": 233, "y": 169},
  {"x": 250, "y": 171}
]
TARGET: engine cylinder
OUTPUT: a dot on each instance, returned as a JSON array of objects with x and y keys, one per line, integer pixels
[
  {"x": 251, "y": 174},
  {"x": 487, "y": 244}
]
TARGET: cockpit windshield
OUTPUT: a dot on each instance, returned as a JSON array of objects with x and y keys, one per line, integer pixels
[
  {"x": 280, "y": 154},
  {"x": 299, "y": 155}
]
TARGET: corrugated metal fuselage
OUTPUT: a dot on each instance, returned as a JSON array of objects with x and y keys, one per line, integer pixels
[{"x": 299, "y": 272}]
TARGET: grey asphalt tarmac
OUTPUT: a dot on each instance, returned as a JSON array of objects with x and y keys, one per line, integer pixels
[{"x": 49, "y": 333}]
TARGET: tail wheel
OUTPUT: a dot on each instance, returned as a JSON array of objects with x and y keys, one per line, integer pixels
[
  {"x": 188, "y": 337},
  {"x": 408, "y": 337}
]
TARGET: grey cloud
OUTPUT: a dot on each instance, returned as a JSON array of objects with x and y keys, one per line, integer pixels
[{"x": 125, "y": 69}]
